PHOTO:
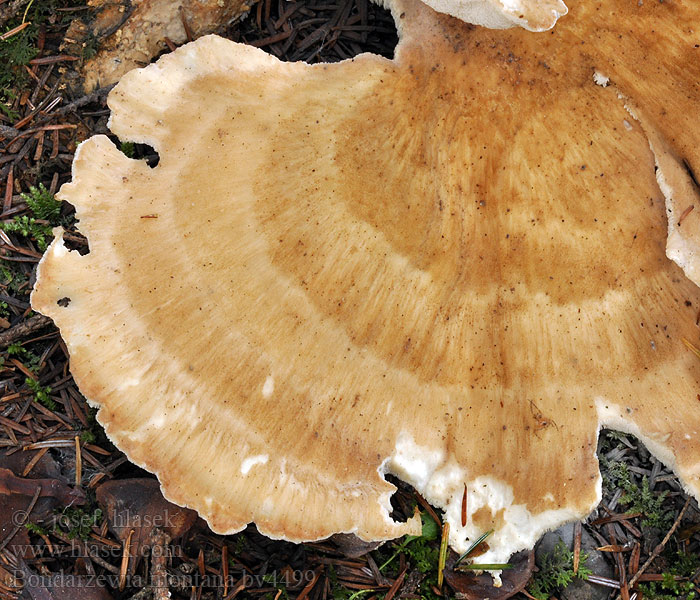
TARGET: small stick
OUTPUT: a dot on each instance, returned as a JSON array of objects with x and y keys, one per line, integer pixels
[
  {"x": 224, "y": 567},
  {"x": 35, "y": 459},
  {"x": 186, "y": 25},
  {"x": 430, "y": 509},
  {"x": 660, "y": 547},
  {"x": 39, "y": 146},
  {"x": 78, "y": 462},
  {"x": 98, "y": 94},
  {"x": 54, "y": 180},
  {"x": 124, "y": 567},
  {"x": 442, "y": 559},
  {"x": 622, "y": 570},
  {"x": 397, "y": 584},
  {"x": 309, "y": 586},
  {"x": 54, "y": 147},
  {"x": 685, "y": 213},
  {"x": 240, "y": 586},
  {"x": 91, "y": 550},
  {"x": 464, "y": 512},
  {"x": 159, "y": 570},
  {"x": 50, "y": 60},
  {"x": 9, "y": 187},
  {"x": 577, "y": 546},
  {"x": 691, "y": 347},
  {"x": 634, "y": 558},
  {"x": 14, "y": 30},
  {"x": 31, "y": 325}
]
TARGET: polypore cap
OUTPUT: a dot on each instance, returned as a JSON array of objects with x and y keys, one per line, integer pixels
[{"x": 449, "y": 266}]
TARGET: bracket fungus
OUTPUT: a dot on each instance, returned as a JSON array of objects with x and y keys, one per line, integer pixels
[{"x": 449, "y": 266}]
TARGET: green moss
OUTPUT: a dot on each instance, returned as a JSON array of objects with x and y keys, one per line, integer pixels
[
  {"x": 557, "y": 571},
  {"x": 32, "y": 362},
  {"x": 28, "y": 358},
  {"x": 685, "y": 564},
  {"x": 423, "y": 553},
  {"x": 41, "y": 393},
  {"x": 46, "y": 213},
  {"x": 637, "y": 498},
  {"x": 28, "y": 227},
  {"x": 668, "y": 589},
  {"x": 77, "y": 522},
  {"x": 128, "y": 149},
  {"x": 13, "y": 280},
  {"x": 15, "y": 53},
  {"x": 681, "y": 564},
  {"x": 90, "y": 47},
  {"x": 43, "y": 204},
  {"x": 87, "y": 436},
  {"x": 17, "y": 50},
  {"x": 34, "y": 528}
]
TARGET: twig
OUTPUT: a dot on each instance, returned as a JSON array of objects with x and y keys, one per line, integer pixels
[
  {"x": 186, "y": 25},
  {"x": 23, "y": 329},
  {"x": 442, "y": 557},
  {"x": 660, "y": 547},
  {"x": 309, "y": 586},
  {"x": 159, "y": 570},
  {"x": 577, "y": 545},
  {"x": 90, "y": 550},
  {"x": 396, "y": 585},
  {"x": 50, "y": 60},
  {"x": 126, "y": 555},
  {"x": 83, "y": 100},
  {"x": 9, "y": 11},
  {"x": 14, "y": 30},
  {"x": 430, "y": 509}
]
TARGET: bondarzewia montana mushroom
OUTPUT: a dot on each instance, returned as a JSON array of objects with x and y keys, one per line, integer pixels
[{"x": 450, "y": 266}]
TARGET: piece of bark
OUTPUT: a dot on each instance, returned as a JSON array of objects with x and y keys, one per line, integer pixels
[
  {"x": 23, "y": 329},
  {"x": 468, "y": 586},
  {"x": 50, "y": 488},
  {"x": 352, "y": 546},
  {"x": 16, "y": 493},
  {"x": 135, "y": 32}
]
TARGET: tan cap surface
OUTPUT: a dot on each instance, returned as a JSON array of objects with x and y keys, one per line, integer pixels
[
  {"x": 450, "y": 266},
  {"x": 533, "y": 15}
]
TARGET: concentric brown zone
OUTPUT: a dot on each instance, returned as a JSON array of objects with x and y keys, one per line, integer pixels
[{"x": 464, "y": 245}]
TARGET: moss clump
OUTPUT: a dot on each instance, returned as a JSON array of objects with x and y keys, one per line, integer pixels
[{"x": 557, "y": 572}]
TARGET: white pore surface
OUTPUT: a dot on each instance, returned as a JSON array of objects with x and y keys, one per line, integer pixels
[
  {"x": 678, "y": 248},
  {"x": 601, "y": 79},
  {"x": 441, "y": 482}
]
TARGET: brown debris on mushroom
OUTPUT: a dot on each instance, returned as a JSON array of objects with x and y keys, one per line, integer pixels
[{"x": 449, "y": 266}]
